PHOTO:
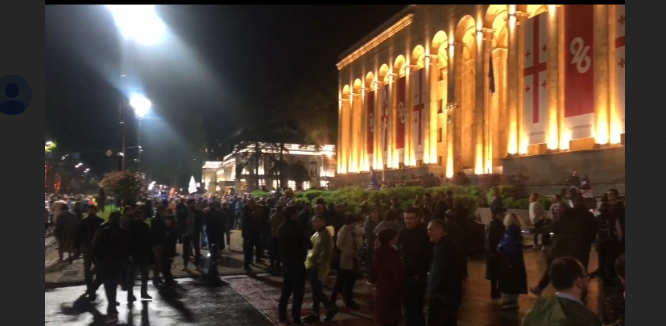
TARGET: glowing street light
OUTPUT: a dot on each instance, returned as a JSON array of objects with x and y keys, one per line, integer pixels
[
  {"x": 139, "y": 23},
  {"x": 141, "y": 105}
]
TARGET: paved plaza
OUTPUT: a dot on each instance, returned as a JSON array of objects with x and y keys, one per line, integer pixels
[{"x": 252, "y": 300}]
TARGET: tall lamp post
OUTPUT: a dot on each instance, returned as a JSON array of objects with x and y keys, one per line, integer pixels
[
  {"x": 138, "y": 23},
  {"x": 141, "y": 106}
]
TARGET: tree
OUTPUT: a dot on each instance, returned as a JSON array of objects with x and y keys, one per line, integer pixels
[
  {"x": 125, "y": 186},
  {"x": 314, "y": 108}
]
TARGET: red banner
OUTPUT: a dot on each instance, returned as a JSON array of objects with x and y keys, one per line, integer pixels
[
  {"x": 400, "y": 113},
  {"x": 579, "y": 60},
  {"x": 370, "y": 100}
]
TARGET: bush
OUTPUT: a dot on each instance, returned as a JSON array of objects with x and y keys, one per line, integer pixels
[
  {"x": 124, "y": 185},
  {"x": 260, "y": 193}
]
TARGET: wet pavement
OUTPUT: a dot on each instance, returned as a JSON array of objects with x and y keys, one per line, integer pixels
[
  {"x": 189, "y": 303},
  {"x": 252, "y": 300},
  {"x": 66, "y": 274}
]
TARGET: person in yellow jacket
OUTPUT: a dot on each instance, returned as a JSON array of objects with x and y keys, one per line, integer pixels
[{"x": 318, "y": 265}]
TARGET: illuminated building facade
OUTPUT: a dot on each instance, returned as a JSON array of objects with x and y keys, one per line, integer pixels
[
  {"x": 503, "y": 89},
  {"x": 305, "y": 166}
]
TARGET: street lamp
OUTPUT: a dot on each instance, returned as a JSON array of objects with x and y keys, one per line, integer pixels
[
  {"x": 141, "y": 106},
  {"x": 138, "y": 23}
]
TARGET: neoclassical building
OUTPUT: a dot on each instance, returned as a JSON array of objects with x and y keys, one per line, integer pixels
[{"x": 531, "y": 89}]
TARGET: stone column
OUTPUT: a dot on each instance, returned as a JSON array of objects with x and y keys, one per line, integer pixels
[
  {"x": 480, "y": 78},
  {"x": 553, "y": 80},
  {"x": 500, "y": 112},
  {"x": 378, "y": 151},
  {"x": 456, "y": 113},
  {"x": 513, "y": 79},
  {"x": 363, "y": 151},
  {"x": 392, "y": 153},
  {"x": 602, "y": 78},
  {"x": 347, "y": 130},
  {"x": 522, "y": 137},
  {"x": 428, "y": 132},
  {"x": 451, "y": 163},
  {"x": 433, "y": 100},
  {"x": 338, "y": 148},
  {"x": 488, "y": 127}
]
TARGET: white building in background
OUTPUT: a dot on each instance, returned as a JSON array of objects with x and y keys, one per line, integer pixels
[{"x": 312, "y": 166}]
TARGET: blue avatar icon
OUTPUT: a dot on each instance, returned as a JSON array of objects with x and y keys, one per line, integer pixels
[
  {"x": 16, "y": 95},
  {"x": 12, "y": 107}
]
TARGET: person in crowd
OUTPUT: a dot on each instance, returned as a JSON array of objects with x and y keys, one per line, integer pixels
[
  {"x": 158, "y": 231},
  {"x": 215, "y": 229},
  {"x": 538, "y": 217},
  {"x": 276, "y": 220},
  {"x": 65, "y": 232},
  {"x": 566, "y": 307},
  {"x": 389, "y": 278},
  {"x": 445, "y": 280},
  {"x": 350, "y": 243},
  {"x": 512, "y": 272},
  {"x": 397, "y": 211},
  {"x": 193, "y": 224},
  {"x": 305, "y": 217},
  {"x": 111, "y": 249},
  {"x": 56, "y": 209},
  {"x": 574, "y": 234},
  {"x": 371, "y": 223},
  {"x": 169, "y": 252},
  {"x": 554, "y": 211},
  {"x": 318, "y": 264},
  {"x": 294, "y": 246},
  {"x": 251, "y": 232},
  {"x": 497, "y": 204},
  {"x": 390, "y": 221},
  {"x": 607, "y": 244},
  {"x": 83, "y": 244},
  {"x": 614, "y": 307},
  {"x": 415, "y": 251},
  {"x": 619, "y": 211},
  {"x": 494, "y": 234},
  {"x": 229, "y": 220},
  {"x": 140, "y": 250}
]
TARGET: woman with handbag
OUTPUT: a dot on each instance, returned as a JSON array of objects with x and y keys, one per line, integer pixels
[
  {"x": 512, "y": 271},
  {"x": 350, "y": 244}
]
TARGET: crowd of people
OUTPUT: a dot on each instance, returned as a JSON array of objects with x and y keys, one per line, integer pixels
[{"x": 411, "y": 256}]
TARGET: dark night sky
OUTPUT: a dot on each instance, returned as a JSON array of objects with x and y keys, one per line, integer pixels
[{"x": 228, "y": 59}]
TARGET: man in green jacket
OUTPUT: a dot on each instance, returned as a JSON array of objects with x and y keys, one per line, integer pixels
[
  {"x": 318, "y": 265},
  {"x": 565, "y": 308}
]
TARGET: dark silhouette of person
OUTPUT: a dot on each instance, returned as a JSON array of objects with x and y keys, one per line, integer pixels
[{"x": 12, "y": 107}]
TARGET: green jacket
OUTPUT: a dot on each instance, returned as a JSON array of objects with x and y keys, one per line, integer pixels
[
  {"x": 555, "y": 311},
  {"x": 322, "y": 252}
]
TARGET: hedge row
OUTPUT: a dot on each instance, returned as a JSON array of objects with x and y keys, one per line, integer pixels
[{"x": 475, "y": 196}]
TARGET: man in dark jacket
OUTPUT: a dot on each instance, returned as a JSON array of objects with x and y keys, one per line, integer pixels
[
  {"x": 305, "y": 217},
  {"x": 445, "y": 288},
  {"x": 83, "y": 243},
  {"x": 294, "y": 246},
  {"x": 112, "y": 248},
  {"x": 169, "y": 248},
  {"x": 215, "y": 232},
  {"x": 191, "y": 234},
  {"x": 574, "y": 233},
  {"x": 140, "y": 250},
  {"x": 157, "y": 232},
  {"x": 251, "y": 231},
  {"x": 415, "y": 252}
]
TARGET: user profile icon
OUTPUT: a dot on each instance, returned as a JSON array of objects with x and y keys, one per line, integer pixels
[{"x": 15, "y": 95}]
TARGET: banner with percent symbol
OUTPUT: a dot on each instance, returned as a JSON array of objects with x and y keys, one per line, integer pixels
[{"x": 579, "y": 70}]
